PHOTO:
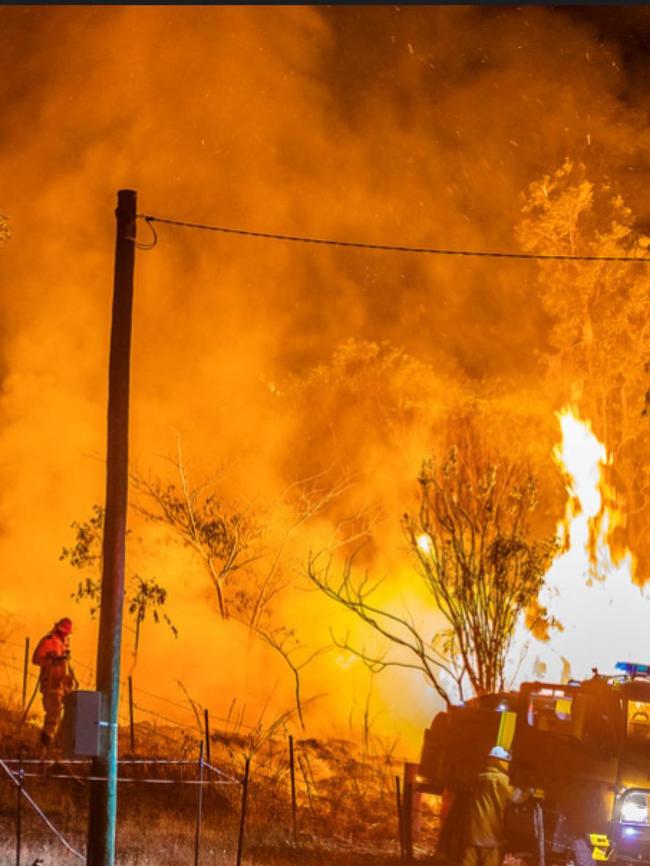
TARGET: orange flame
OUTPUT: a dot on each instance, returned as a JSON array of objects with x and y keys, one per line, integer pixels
[
  {"x": 589, "y": 588},
  {"x": 591, "y": 513}
]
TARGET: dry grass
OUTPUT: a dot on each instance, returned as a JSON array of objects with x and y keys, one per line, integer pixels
[{"x": 346, "y": 804}]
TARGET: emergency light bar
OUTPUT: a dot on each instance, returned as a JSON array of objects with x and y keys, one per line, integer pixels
[{"x": 632, "y": 669}]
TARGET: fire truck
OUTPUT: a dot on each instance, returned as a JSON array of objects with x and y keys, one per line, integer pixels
[{"x": 582, "y": 748}]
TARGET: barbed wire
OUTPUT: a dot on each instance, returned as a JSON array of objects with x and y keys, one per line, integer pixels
[
  {"x": 219, "y": 772},
  {"x": 396, "y": 248},
  {"x": 40, "y": 812},
  {"x": 128, "y": 761},
  {"x": 17, "y": 667},
  {"x": 122, "y": 762},
  {"x": 143, "y": 781},
  {"x": 274, "y": 769},
  {"x": 266, "y": 772},
  {"x": 185, "y": 729},
  {"x": 185, "y": 708},
  {"x": 7, "y": 642}
]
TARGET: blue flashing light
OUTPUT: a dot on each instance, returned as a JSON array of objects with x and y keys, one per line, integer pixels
[
  {"x": 632, "y": 669},
  {"x": 630, "y": 831}
]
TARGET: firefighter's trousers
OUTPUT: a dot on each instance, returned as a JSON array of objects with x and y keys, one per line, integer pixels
[
  {"x": 475, "y": 855},
  {"x": 53, "y": 706}
]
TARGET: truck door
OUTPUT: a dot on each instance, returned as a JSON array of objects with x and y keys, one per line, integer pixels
[{"x": 568, "y": 743}]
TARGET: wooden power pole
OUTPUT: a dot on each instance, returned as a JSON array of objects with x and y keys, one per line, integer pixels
[{"x": 103, "y": 793}]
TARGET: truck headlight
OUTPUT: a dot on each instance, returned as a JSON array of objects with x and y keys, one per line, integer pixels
[{"x": 634, "y": 808}]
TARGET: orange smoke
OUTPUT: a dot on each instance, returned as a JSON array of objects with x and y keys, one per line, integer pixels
[{"x": 410, "y": 125}]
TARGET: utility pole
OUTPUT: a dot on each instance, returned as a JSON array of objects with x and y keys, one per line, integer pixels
[{"x": 103, "y": 794}]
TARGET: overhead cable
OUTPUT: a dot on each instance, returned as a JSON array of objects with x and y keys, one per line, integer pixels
[{"x": 431, "y": 251}]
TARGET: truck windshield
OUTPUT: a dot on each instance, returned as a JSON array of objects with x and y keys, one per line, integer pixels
[
  {"x": 550, "y": 710},
  {"x": 638, "y": 721}
]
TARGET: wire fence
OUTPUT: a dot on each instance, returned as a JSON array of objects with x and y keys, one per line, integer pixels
[
  {"x": 192, "y": 731},
  {"x": 79, "y": 771},
  {"x": 16, "y": 664},
  {"x": 19, "y": 770},
  {"x": 274, "y": 789},
  {"x": 277, "y": 774},
  {"x": 16, "y": 779}
]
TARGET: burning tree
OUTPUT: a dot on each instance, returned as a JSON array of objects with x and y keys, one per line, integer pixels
[
  {"x": 600, "y": 337},
  {"x": 472, "y": 544},
  {"x": 245, "y": 552},
  {"x": 223, "y": 537}
]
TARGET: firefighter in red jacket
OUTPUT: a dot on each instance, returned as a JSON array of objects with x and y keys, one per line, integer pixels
[{"x": 57, "y": 678}]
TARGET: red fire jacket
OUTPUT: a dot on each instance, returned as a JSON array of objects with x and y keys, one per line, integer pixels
[{"x": 51, "y": 655}]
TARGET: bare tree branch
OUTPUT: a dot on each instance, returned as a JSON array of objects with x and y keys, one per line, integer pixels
[{"x": 472, "y": 546}]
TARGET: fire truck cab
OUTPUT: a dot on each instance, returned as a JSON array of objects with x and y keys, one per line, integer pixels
[{"x": 583, "y": 748}]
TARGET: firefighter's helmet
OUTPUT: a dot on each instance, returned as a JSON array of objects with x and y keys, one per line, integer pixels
[{"x": 64, "y": 625}]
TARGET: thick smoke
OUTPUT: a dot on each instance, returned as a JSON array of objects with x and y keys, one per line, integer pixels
[{"x": 412, "y": 125}]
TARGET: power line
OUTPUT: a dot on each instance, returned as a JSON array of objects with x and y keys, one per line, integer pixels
[{"x": 432, "y": 251}]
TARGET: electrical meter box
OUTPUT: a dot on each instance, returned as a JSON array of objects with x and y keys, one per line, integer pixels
[{"x": 81, "y": 724}]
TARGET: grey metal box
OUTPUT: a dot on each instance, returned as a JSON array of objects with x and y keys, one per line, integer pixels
[{"x": 81, "y": 724}]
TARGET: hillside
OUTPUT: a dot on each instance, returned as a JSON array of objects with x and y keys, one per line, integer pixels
[{"x": 345, "y": 798}]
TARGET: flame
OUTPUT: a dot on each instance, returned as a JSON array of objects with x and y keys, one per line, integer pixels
[
  {"x": 591, "y": 513},
  {"x": 245, "y": 160},
  {"x": 424, "y": 543},
  {"x": 589, "y": 589}
]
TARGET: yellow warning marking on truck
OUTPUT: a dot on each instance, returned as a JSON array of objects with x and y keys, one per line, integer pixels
[
  {"x": 506, "y": 729},
  {"x": 599, "y": 840}
]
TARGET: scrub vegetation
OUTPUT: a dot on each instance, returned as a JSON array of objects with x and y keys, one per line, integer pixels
[{"x": 346, "y": 804}]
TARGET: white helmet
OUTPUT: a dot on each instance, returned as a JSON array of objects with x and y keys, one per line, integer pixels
[{"x": 500, "y": 754}]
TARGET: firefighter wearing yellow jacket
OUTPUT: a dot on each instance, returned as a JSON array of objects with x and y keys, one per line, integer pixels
[
  {"x": 485, "y": 812},
  {"x": 57, "y": 678}
]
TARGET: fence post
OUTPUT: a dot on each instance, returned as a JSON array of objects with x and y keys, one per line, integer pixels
[
  {"x": 131, "y": 725},
  {"x": 400, "y": 822},
  {"x": 292, "y": 769},
  {"x": 208, "y": 753},
  {"x": 19, "y": 813},
  {"x": 411, "y": 808},
  {"x": 242, "y": 817},
  {"x": 199, "y": 809},
  {"x": 25, "y": 673}
]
